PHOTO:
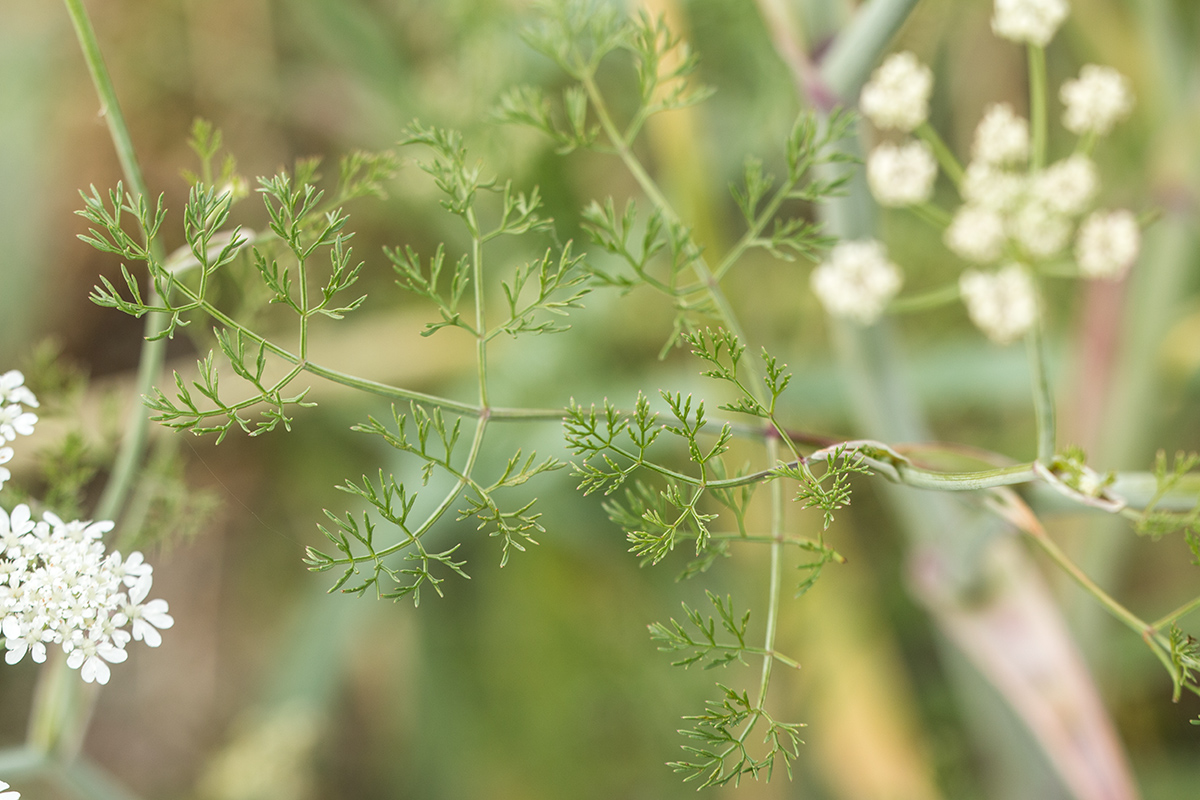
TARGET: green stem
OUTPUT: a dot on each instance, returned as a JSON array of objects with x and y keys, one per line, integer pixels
[
  {"x": 1043, "y": 396},
  {"x": 724, "y": 309},
  {"x": 937, "y": 217},
  {"x": 58, "y": 717},
  {"x": 1177, "y": 614},
  {"x": 1120, "y": 612},
  {"x": 481, "y": 336},
  {"x": 777, "y": 516},
  {"x": 1037, "y": 105},
  {"x": 755, "y": 228},
  {"x": 133, "y": 443},
  {"x": 933, "y": 298},
  {"x": 942, "y": 153}
]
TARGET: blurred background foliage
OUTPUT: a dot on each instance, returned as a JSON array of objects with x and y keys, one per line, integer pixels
[{"x": 539, "y": 681}]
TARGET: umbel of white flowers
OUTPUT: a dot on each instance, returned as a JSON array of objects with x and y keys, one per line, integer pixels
[
  {"x": 1011, "y": 214},
  {"x": 58, "y": 587}
]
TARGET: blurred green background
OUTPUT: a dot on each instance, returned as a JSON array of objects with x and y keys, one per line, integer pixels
[{"x": 539, "y": 681}]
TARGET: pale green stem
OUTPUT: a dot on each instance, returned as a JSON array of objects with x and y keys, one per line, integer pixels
[
  {"x": 1043, "y": 395},
  {"x": 755, "y": 228},
  {"x": 57, "y": 716},
  {"x": 1132, "y": 621},
  {"x": 700, "y": 266},
  {"x": 1037, "y": 105},
  {"x": 481, "y": 338},
  {"x": 777, "y": 515},
  {"x": 133, "y": 443},
  {"x": 302, "y": 279},
  {"x": 937, "y": 217},
  {"x": 942, "y": 153},
  {"x": 934, "y": 298},
  {"x": 1177, "y": 614}
]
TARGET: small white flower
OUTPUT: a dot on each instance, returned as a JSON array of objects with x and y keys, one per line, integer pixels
[
  {"x": 901, "y": 175},
  {"x": 13, "y": 390},
  {"x": 6, "y": 454},
  {"x": 857, "y": 281},
  {"x": 897, "y": 96},
  {"x": 1001, "y": 137},
  {"x": 1033, "y": 21},
  {"x": 4, "y": 795},
  {"x": 149, "y": 618},
  {"x": 1108, "y": 243},
  {"x": 1039, "y": 229},
  {"x": 977, "y": 234},
  {"x": 1096, "y": 100},
  {"x": 1067, "y": 186},
  {"x": 15, "y": 421},
  {"x": 988, "y": 186},
  {"x": 88, "y": 656},
  {"x": 1002, "y": 304}
]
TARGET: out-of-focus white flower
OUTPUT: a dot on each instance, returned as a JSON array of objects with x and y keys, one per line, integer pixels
[
  {"x": 6, "y": 454},
  {"x": 5, "y": 795},
  {"x": 901, "y": 175},
  {"x": 57, "y": 587},
  {"x": 1039, "y": 229},
  {"x": 1108, "y": 243},
  {"x": 987, "y": 186},
  {"x": 1001, "y": 304},
  {"x": 857, "y": 281},
  {"x": 1033, "y": 21},
  {"x": 977, "y": 234},
  {"x": 897, "y": 96},
  {"x": 1067, "y": 186},
  {"x": 1096, "y": 100},
  {"x": 1001, "y": 137}
]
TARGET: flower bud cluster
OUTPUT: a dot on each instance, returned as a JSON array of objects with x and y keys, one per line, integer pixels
[
  {"x": 1014, "y": 213},
  {"x": 58, "y": 586}
]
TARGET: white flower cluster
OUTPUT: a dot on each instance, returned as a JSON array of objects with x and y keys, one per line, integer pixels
[
  {"x": 1011, "y": 214},
  {"x": 1032, "y": 21},
  {"x": 1002, "y": 304},
  {"x": 857, "y": 281},
  {"x": 57, "y": 585},
  {"x": 897, "y": 96},
  {"x": 901, "y": 175},
  {"x": 6, "y": 795},
  {"x": 1096, "y": 100},
  {"x": 15, "y": 421}
]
